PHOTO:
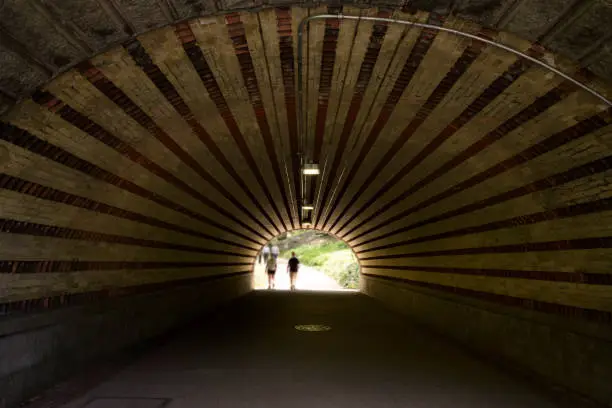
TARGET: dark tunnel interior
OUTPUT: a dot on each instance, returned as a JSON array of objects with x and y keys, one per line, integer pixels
[{"x": 150, "y": 148}]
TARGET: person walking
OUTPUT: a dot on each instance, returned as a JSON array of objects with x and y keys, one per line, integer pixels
[
  {"x": 271, "y": 269},
  {"x": 266, "y": 253},
  {"x": 275, "y": 251},
  {"x": 292, "y": 268}
]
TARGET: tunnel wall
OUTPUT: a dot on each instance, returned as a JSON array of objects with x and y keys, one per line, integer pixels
[
  {"x": 450, "y": 165},
  {"x": 39, "y": 349},
  {"x": 553, "y": 350}
]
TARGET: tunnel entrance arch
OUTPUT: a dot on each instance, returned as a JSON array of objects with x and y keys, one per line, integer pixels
[
  {"x": 474, "y": 186},
  {"x": 327, "y": 263}
]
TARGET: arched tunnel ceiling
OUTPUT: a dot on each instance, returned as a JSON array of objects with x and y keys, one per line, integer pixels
[
  {"x": 446, "y": 163},
  {"x": 40, "y": 38}
]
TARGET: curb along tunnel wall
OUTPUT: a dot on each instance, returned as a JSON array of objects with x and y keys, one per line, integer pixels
[{"x": 138, "y": 185}]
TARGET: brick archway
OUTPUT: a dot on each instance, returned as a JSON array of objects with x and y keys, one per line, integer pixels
[{"x": 455, "y": 170}]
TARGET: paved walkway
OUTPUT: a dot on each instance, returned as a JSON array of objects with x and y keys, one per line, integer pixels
[
  {"x": 250, "y": 355},
  {"x": 308, "y": 278}
]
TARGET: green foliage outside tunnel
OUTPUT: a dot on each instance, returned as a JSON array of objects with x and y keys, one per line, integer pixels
[{"x": 323, "y": 252}]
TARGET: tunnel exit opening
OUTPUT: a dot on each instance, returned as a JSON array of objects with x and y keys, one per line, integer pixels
[{"x": 326, "y": 263}]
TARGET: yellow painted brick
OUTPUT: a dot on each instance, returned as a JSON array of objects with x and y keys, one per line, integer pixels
[
  {"x": 15, "y": 287},
  {"x": 48, "y": 173},
  {"x": 25, "y": 208},
  {"x": 29, "y": 247},
  {"x": 566, "y": 293}
]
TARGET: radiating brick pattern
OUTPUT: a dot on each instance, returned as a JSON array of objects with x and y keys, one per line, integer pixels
[
  {"x": 412, "y": 63},
  {"x": 377, "y": 37},
  {"x": 448, "y": 165}
]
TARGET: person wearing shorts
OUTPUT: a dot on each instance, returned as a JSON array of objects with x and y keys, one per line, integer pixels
[
  {"x": 292, "y": 267},
  {"x": 271, "y": 270}
]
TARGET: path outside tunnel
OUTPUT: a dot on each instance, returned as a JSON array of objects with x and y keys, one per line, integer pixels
[
  {"x": 250, "y": 355},
  {"x": 309, "y": 278}
]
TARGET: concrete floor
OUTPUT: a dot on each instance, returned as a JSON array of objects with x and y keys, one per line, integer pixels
[{"x": 250, "y": 355}]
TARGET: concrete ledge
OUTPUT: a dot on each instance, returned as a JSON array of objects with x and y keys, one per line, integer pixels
[
  {"x": 40, "y": 350},
  {"x": 576, "y": 360}
]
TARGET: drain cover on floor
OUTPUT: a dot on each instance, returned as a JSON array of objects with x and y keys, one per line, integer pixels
[
  {"x": 127, "y": 403},
  {"x": 312, "y": 327}
]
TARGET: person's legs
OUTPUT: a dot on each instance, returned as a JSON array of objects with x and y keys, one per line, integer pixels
[
  {"x": 293, "y": 278},
  {"x": 270, "y": 280}
]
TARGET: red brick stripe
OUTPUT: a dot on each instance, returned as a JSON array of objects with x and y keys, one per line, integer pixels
[
  {"x": 328, "y": 59},
  {"x": 560, "y": 245},
  {"x": 26, "y": 187},
  {"x": 586, "y": 170},
  {"x": 287, "y": 61},
  {"x": 570, "y": 134},
  {"x": 588, "y": 278},
  {"x": 591, "y": 207},
  {"x": 96, "y": 131},
  {"x": 80, "y": 299},
  {"x": 375, "y": 43},
  {"x": 411, "y": 65},
  {"x": 237, "y": 34},
  {"x": 594, "y": 315},
  {"x": 55, "y": 266},
  {"x": 539, "y": 106},
  {"x": 44, "y": 230},
  {"x": 446, "y": 84},
  {"x": 28, "y": 141},
  {"x": 195, "y": 55},
  {"x": 104, "y": 85}
]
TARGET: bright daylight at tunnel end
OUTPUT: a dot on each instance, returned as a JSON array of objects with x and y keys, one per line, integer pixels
[
  {"x": 317, "y": 261},
  {"x": 450, "y": 159}
]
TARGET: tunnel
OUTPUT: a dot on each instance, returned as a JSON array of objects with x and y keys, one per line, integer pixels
[{"x": 461, "y": 148}]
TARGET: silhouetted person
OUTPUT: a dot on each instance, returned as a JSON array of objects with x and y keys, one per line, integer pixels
[
  {"x": 275, "y": 251},
  {"x": 271, "y": 269},
  {"x": 266, "y": 253},
  {"x": 292, "y": 267}
]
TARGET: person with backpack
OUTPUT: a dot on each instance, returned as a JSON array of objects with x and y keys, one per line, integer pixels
[
  {"x": 275, "y": 251},
  {"x": 271, "y": 269},
  {"x": 266, "y": 253},
  {"x": 292, "y": 268}
]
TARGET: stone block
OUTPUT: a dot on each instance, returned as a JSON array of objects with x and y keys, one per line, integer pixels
[
  {"x": 143, "y": 15},
  {"x": 532, "y": 18},
  {"x": 590, "y": 27},
  {"x": 228, "y": 5},
  {"x": 18, "y": 76},
  {"x": 89, "y": 18},
  {"x": 193, "y": 8},
  {"x": 601, "y": 64},
  {"x": 483, "y": 11},
  {"x": 38, "y": 34}
]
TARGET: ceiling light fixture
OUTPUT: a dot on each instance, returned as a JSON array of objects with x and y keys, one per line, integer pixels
[
  {"x": 307, "y": 207},
  {"x": 311, "y": 169}
]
